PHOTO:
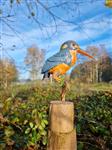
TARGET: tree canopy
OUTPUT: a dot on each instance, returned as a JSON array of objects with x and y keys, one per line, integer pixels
[
  {"x": 8, "y": 72},
  {"x": 95, "y": 71},
  {"x": 34, "y": 60}
]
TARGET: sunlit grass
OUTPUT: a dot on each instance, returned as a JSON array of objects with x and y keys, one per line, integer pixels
[{"x": 52, "y": 91}]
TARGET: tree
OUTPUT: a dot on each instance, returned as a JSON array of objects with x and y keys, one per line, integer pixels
[
  {"x": 34, "y": 60},
  {"x": 95, "y": 71},
  {"x": 106, "y": 68},
  {"x": 8, "y": 72}
]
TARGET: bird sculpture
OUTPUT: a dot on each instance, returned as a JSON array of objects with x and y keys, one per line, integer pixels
[{"x": 62, "y": 61}]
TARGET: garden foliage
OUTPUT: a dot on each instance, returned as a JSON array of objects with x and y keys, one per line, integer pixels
[{"x": 24, "y": 119}]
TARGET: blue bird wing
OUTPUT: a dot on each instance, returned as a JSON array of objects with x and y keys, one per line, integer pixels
[{"x": 59, "y": 58}]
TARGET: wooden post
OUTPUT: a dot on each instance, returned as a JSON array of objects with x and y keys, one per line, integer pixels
[
  {"x": 62, "y": 134},
  {"x": 64, "y": 90}
]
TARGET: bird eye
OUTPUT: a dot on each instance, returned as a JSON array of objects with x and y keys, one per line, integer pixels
[{"x": 64, "y": 46}]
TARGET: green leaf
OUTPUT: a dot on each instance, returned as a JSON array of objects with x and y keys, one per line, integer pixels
[
  {"x": 40, "y": 127},
  {"x": 9, "y": 131},
  {"x": 43, "y": 124},
  {"x": 31, "y": 125},
  {"x": 25, "y": 122},
  {"x": 80, "y": 145},
  {"x": 44, "y": 141},
  {"x": 46, "y": 122},
  {"x": 15, "y": 119},
  {"x": 27, "y": 130}
]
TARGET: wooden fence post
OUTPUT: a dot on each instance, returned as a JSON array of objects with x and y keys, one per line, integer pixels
[{"x": 62, "y": 134}]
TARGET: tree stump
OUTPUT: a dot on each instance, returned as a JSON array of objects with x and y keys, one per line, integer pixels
[{"x": 62, "y": 134}]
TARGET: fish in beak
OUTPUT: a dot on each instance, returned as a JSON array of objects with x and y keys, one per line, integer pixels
[{"x": 84, "y": 53}]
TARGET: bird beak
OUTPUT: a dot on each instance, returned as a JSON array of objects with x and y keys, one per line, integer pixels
[{"x": 84, "y": 53}]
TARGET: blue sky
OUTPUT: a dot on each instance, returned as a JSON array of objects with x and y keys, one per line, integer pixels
[{"x": 89, "y": 23}]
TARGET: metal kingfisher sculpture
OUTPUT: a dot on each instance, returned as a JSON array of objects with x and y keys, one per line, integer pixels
[{"x": 61, "y": 62}]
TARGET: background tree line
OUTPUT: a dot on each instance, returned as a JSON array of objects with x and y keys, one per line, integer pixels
[
  {"x": 86, "y": 71},
  {"x": 33, "y": 61},
  {"x": 8, "y": 72},
  {"x": 94, "y": 71}
]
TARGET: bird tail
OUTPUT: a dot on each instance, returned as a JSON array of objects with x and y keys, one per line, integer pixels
[{"x": 46, "y": 75}]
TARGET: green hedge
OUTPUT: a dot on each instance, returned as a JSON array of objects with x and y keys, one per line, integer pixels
[
  {"x": 94, "y": 121},
  {"x": 24, "y": 119}
]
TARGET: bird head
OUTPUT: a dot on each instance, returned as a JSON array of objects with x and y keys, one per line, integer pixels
[{"x": 72, "y": 45}]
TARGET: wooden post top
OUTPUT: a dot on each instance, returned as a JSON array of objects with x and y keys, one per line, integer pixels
[
  {"x": 61, "y": 102},
  {"x": 61, "y": 116}
]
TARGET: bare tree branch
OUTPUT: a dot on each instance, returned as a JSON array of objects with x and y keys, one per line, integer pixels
[
  {"x": 13, "y": 30},
  {"x": 53, "y": 16}
]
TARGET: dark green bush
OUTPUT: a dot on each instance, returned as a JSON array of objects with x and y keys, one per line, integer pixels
[
  {"x": 94, "y": 121},
  {"x": 24, "y": 119}
]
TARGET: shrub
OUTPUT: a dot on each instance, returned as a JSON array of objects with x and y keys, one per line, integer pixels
[
  {"x": 24, "y": 119},
  {"x": 94, "y": 121}
]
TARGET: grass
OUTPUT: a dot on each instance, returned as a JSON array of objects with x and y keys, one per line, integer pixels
[
  {"x": 102, "y": 87},
  {"x": 25, "y": 106},
  {"x": 76, "y": 88}
]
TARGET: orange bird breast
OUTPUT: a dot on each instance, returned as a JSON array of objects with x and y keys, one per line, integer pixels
[
  {"x": 63, "y": 68},
  {"x": 74, "y": 57}
]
